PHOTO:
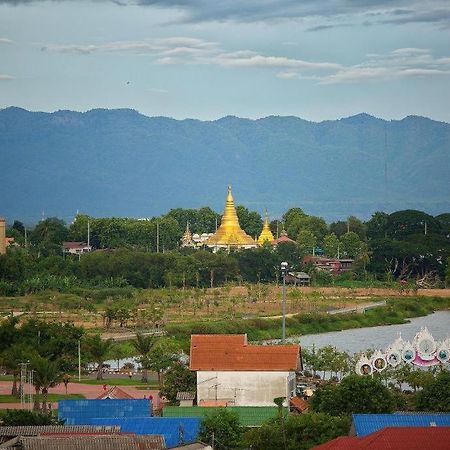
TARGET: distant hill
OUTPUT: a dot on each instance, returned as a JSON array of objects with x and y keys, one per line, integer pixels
[{"x": 121, "y": 163}]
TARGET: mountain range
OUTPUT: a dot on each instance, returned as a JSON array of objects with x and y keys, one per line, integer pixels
[{"x": 122, "y": 163}]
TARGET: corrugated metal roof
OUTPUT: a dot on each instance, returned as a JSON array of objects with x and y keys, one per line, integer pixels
[
  {"x": 249, "y": 416},
  {"x": 78, "y": 412},
  {"x": 35, "y": 430},
  {"x": 176, "y": 430},
  {"x": 369, "y": 423},
  {"x": 231, "y": 352},
  {"x": 115, "y": 442},
  {"x": 394, "y": 438}
]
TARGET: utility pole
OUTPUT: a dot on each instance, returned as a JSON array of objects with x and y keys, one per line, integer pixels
[
  {"x": 89, "y": 234},
  {"x": 157, "y": 237},
  {"x": 284, "y": 268},
  {"x": 79, "y": 359},
  {"x": 425, "y": 230},
  {"x": 26, "y": 238}
]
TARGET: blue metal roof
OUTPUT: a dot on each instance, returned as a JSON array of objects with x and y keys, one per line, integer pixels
[
  {"x": 79, "y": 412},
  {"x": 369, "y": 423},
  {"x": 176, "y": 430}
]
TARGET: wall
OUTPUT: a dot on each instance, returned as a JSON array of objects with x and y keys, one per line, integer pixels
[{"x": 246, "y": 388}]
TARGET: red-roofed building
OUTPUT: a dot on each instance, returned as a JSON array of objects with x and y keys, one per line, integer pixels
[
  {"x": 283, "y": 238},
  {"x": 114, "y": 392},
  {"x": 230, "y": 370},
  {"x": 76, "y": 248},
  {"x": 395, "y": 438}
]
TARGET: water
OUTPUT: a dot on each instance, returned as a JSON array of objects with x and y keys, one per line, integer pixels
[{"x": 360, "y": 339}]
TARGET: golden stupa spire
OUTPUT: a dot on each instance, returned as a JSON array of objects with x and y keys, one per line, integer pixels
[
  {"x": 230, "y": 232},
  {"x": 266, "y": 235}
]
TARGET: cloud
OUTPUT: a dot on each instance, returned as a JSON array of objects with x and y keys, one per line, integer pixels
[
  {"x": 4, "y": 77},
  {"x": 5, "y": 41},
  {"x": 327, "y": 13}
]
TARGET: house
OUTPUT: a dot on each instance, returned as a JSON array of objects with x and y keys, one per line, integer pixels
[
  {"x": 395, "y": 438},
  {"x": 364, "y": 424},
  {"x": 298, "y": 278},
  {"x": 332, "y": 265},
  {"x": 229, "y": 369},
  {"x": 186, "y": 398},
  {"x": 76, "y": 248},
  {"x": 298, "y": 405},
  {"x": 114, "y": 392}
]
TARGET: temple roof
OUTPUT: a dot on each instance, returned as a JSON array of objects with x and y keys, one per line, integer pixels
[{"x": 230, "y": 232}]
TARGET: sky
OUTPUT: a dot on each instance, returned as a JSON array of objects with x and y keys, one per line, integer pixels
[{"x": 205, "y": 59}]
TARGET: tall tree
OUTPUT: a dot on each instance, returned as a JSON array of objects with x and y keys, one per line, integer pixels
[
  {"x": 221, "y": 429},
  {"x": 98, "y": 351},
  {"x": 46, "y": 374},
  {"x": 143, "y": 344}
]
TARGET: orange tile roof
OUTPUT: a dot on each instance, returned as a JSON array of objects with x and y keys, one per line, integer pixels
[
  {"x": 299, "y": 404},
  {"x": 115, "y": 393},
  {"x": 231, "y": 352}
]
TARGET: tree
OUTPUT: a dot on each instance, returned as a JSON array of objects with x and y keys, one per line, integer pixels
[
  {"x": 22, "y": 417},
  {"x": 178, "y": 378},
  {"x": 377, "y": 225},
  {"x": 351, "y": 244},
  {"x": 46, "y": 374},
  {"x": 301, "y": 432},
  {"x": 306, "y": 241},
  {"x": 98, "y": 350},
  {"x": 48, "y": 235},
  {"x": 354, "y": 394},
  {"x": 250, "y": 221},
  {"x": 435, "y": 395},
  {"x": 331, "y": 245},
  {"x": 143, "y": 344},
  {"x": 221, "y": 428},
  {"x": 162, "y": 355},
  {"x": 118, "y": 352}
]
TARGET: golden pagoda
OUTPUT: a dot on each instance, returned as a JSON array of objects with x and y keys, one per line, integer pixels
[
  {"x": 230, "y": 234},
  {"x": 266, "y": 235}
]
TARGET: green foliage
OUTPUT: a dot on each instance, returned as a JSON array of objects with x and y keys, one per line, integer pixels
[
  {"x": 22, "y": 417},
  {"x": 178, "y": 378},
  {"x": 162, "y": 355},
  {"x": 354, "y": 394},
  {"x": 250, "y": 221},
  {"x": 435, "y": 394},
  {"x": 297, "y": 432},
  {"x": 98, "y": 351},
  {"x": 221, "y": 428}
]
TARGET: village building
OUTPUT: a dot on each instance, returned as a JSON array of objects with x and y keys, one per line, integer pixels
[
  {"x": 76, "y": 248},
  {"x": 232, "y": 372},
  {"x": 283, "y": 238},
  {"x": 332, "y": 265}
]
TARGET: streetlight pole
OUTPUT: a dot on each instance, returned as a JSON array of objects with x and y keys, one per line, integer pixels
[{"x": 284, "y": 268}]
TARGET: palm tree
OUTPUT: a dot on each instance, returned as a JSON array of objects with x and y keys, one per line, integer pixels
[
  {"x": 99, "y": 350},
  {"x": 143, "y": 344},
  {"x": 46, "y": 374}
]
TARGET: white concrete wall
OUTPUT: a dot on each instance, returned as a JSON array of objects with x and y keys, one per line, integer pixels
[{"x": 246, "y": 388}]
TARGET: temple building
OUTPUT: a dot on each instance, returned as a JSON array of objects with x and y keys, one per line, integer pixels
[
  {"x": 230, "y": 234},
  {"x": 266, "y": 235}
]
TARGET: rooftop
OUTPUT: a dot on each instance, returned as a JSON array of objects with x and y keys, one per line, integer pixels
[
  {"x": 394, "y": 438},
  {"x": 231, "y": 352}
]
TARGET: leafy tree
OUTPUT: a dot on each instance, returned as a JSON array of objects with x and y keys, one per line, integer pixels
[
  {"x": 289, "y": 252},
  {"x": 143, "y": 344},
  {"x": 291, "y": 216},
  {"x": 178, "y": 378},
  {"x": 300, "y": 432},
  {"x": 306, "y": 241},
  {"x": 351, "y": 244},
  {"x": 119, "y": 351},
  {"x": 21, "y": 417},
  {"x": 162, "y": 356},
  {"x": 98, "y": 351},
  {"x": 258, "y": 264},
  {"x": 222, "y": 429},
  {"x": 331, "y": 245},
  {"x": 250, "y": 221},
  {"x": 402, "y": 224},
  {"x": 435, "y": 395},
  {"x": 354, "y": 394},
  {"x": 377, "y": 225},
  {"x": 46, "y": 374},
  {"x": 48, "y": 236}
]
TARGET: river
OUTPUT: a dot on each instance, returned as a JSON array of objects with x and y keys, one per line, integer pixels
[{"x": 360, "y": 339}]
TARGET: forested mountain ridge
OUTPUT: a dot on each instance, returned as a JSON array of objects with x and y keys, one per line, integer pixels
[{"x": 119, "y": 162}]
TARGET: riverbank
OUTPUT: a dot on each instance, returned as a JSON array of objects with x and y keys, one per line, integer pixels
[{"x": 397, "y": 311}]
